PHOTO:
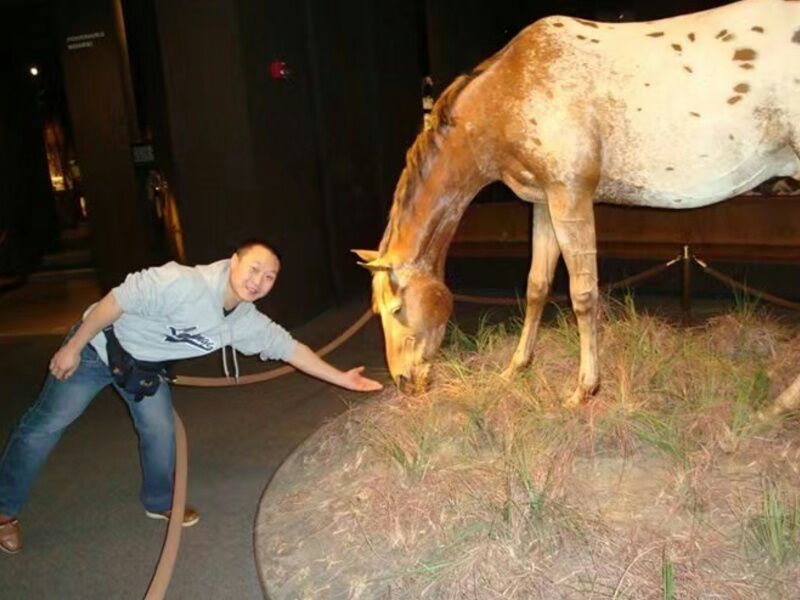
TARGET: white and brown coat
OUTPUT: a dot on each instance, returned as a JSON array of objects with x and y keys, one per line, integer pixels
[{"x": 675, "y": 113}]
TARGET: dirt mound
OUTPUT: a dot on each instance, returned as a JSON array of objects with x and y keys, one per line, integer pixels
[{"x": 663, "y": 486}]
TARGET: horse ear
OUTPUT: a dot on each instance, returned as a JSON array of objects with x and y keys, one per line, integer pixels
[
  {"x": 366, "y": 255},
  {"x": 372, "y": 261},
  {"x": 375, "y": 267}
]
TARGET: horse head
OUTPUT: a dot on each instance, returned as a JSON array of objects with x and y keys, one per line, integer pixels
[{"x": 414, "y": 307}]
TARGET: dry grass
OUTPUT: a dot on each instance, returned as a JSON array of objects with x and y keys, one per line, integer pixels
[{"x": 663, "y": 486}]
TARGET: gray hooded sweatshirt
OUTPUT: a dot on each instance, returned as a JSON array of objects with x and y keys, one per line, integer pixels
[{"x": 173, "y": 312}]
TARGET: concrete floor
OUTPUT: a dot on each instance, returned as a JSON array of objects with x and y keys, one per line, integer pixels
[{"x": 85, "y": 534}]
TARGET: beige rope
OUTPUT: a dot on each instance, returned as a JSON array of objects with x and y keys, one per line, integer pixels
[
  {"x": 608, "y": 287},
  {"x": 272, "y": 373},
  {"x": 172, "y": 541},
  {"x": 746, "y": 288},
  {"x": 646, "y": 274},
  {"x": 169, "y": 551},
  {"x": 189, "y": 380}
]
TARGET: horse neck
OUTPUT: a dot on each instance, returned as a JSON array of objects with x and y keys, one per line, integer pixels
[{"x": 422, "y": 225}]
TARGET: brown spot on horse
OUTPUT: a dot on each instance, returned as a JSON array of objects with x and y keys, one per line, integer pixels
[
  {"x": 757, "y": 29},
  {"x": 744, "y": 54},
  {"x": 746, "y": 66},
  {"x": 728, "y": 37},
  {"x": 722, "y": 34},
  {"x": 587, "y": 23},
  {"x": 677, "y": 47},
  {"x": 688, "y": 69},
  {"x": 694, "y": 114},
  {"x": 692, "y": 37},
  {"x": 734, "y": 99},
  {"x": 655, "y": 34},
  {"x": 796, "y": 37},
  {"x": 742, "y": 88}
]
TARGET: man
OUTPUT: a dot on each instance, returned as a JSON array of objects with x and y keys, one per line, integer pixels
[{"x": 159, "y": 314}]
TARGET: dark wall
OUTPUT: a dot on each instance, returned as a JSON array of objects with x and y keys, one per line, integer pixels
[
  {"x": 28, "y": 225},
  {"x": 103, "y": 118},
  {"x": 243, "y": 146},
  {"x": 366, "y": 73},
  {"x": 308, "y": 161}
]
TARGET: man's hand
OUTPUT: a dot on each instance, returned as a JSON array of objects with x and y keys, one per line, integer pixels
[
  {"x": 304, "y": 359},
  {"x": 65, "y": 362},
  {"x": 354, "y": 380},
  {"x": 68, "y": 358}
]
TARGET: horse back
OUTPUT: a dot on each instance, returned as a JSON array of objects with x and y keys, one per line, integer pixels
[{"x": 689, "y": 109}]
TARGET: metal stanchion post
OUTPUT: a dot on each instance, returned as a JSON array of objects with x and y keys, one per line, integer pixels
[{"x": 686, "y": 301}]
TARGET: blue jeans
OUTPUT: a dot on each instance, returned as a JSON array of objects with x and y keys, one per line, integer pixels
[{"x": 59, "y": 404}]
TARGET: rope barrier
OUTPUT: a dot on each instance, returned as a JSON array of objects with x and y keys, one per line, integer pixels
[
  {"x": 646, "y": 274},
  {"x": 505, "y": 301},
  {"x": 746, "y": 288},
  {"x": 169, "y": 551},
  {"x": 608, "y": 287},
  {"x": 187, "y": 380},
  {"x": 166, "y": 564},
  {"x": 639, "y": 277},
  {"x": 193, "y": 381}
]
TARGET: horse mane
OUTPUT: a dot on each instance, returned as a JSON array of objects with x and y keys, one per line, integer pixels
[{"x": 425, "y": 148}]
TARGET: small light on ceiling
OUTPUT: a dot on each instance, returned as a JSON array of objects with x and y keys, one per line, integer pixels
[{"x": 34, "y": 71}]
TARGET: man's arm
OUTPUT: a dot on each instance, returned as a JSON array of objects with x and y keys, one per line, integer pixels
[
  {"x": 68, "y": 357},
  {"x": 304, "y": 359}
]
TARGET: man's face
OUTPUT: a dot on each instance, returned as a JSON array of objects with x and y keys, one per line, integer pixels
[{"x": 253, "y": 274}]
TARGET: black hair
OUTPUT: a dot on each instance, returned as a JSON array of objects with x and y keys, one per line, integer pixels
[{"x": 245, "y": 245}]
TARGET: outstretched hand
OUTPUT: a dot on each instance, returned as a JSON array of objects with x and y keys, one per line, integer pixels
[
  {"x": 354, "y": 380},
  {"x": 64, "y": 362}
]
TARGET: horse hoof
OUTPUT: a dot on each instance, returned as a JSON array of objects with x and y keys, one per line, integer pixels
[
  {"x": 580, "y": 396},
  {"x": 508, "y": 374},
  {"x": 576, "y": 399},
  {"x": 770, "y": 413},
  {"x": 511, "y": 371}
]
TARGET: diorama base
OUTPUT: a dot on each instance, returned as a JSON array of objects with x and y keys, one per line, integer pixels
[{"x": 667, "y": 484}]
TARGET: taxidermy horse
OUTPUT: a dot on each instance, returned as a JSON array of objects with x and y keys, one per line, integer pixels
[{"x": 676, "y": 113}]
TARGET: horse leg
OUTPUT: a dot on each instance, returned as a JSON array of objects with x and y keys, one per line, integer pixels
[
  {"x": 572, "y": 214},
  {"x": 789, "y": 399},
  {"x": 545, "y": 253}
]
